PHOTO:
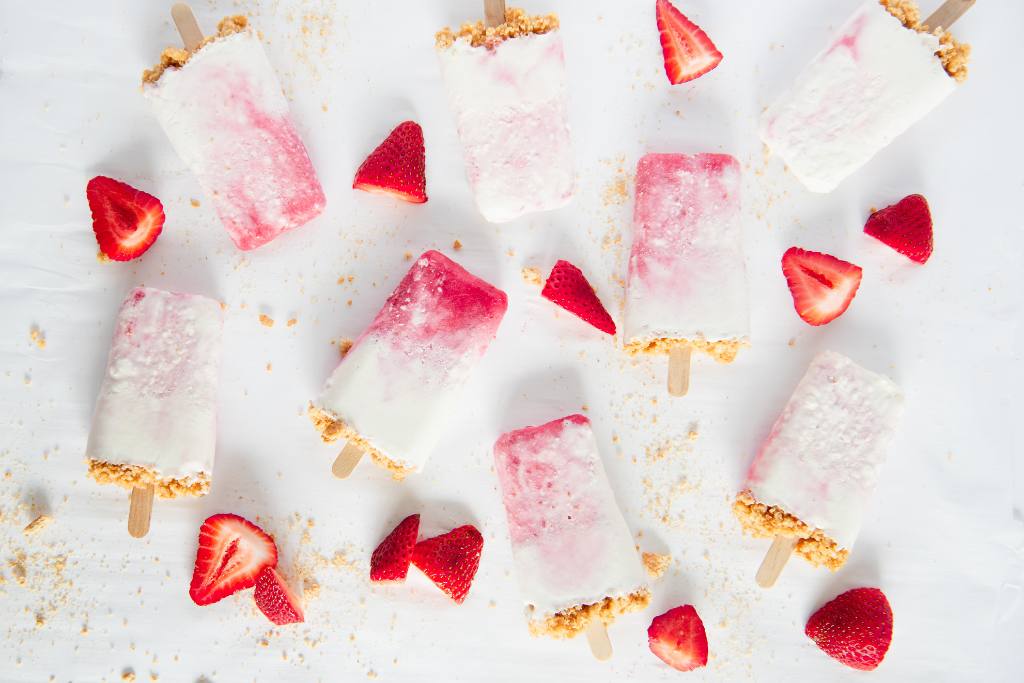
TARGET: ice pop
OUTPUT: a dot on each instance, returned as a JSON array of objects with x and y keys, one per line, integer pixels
[
  {"x": 687, "y": 286},
  {"x": 507, "y": 89},
  {"x": 811, "y": 481},
  {"x": 575, "y": 558},
  {"x": 155, "y": 423},
  {"x": 399, "y": 385},
  {"x": 222, "y": 107},
  {"x": 881, "y": 73}
]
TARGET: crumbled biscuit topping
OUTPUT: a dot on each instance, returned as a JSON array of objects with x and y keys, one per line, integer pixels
[
  {"x": 573, "y": 621},
  {"x": 331, "y": 429},
  {"x": 769, "y": 521},
  {"x": 131, "y": 476},
  {"x": 517, "y": 23},
  {"x": 954, "y": 55},
  {"x": 723, "y": 351},
  {"x": 176, "y": 57}
]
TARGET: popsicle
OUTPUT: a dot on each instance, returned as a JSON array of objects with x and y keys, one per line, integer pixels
[
  {"x": 687, "y": 282},
  {"x": 155, "y": 424},
  {"x": 881, "y": 73},
  {"x": 507, "y": 88},
  {"x": 575, "y": 558},
  {"x": 811, "y": 481},
  {"x": 221, "y": 105},
  {"x": 400, "y": 384}
]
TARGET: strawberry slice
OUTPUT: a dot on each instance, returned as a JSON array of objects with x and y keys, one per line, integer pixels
[
  {"x": 568, "y": 288},
  {"x": 822, "y": 285},
  {"x": 126, "y": 221},
  {"x": 390, "y": 561},
  {"x": 906, "y": 226},
  {"x": 232, "y": 553},
  {"x": 854, "y": 628},
  {"x": 677, "y": 637},
  {"x": 451, "y": 560},
  {"x": 688, "y": 51},
  {"x": 397, "y": 167},
  {"x": 276, "y": 600}
]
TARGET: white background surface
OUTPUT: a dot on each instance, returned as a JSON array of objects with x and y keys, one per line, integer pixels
[{"x": 944, "y": 537}]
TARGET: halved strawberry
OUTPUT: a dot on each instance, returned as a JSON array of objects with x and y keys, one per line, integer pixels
[
  {"x": 568, "y": 288},
  {"x": 232, "y": 553},
  {"x": 390, "y": 561},
  {"x": 126, "y": 221},
  {"x": 822, "y": 285},
  {"x": 397, "y": 167},
  {"x": 854, "y": 628},
  {"x": 688, "y": 51},
  {"x": 451, "y": 560},
  {"x": 677, "y": 637},
  {"x": 276, "y": 600},
  {"x": 906, "y": 226}
]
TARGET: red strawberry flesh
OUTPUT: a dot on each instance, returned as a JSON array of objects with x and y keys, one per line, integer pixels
[
  {"x": 906, "y": 226},
  {"x": 854, "y": 628},
  {"x": 451, "y": 560},
  {"x": 822, "y": 285},
  {"x": 687, "y": 50},
  {"x": 126, "y": 221},
  {"x": 232, "y": 553},
  {"x": 390, "y": 561},
  {"x": 276, "y": 600},
  {"x": 397, "y": 167},
  {"x": 678, "y": 638},
  {"x": 568, "y": 287}
]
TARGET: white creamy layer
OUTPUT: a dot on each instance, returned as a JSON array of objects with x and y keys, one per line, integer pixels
[
  {"x": 687, "y": 272},
  {"x": 875, "y": 80},
  {"x": 822, "y": 458},
  {"x": 570, "y": 543},
  {"x": 510, "y": 110},
  {"x": 157, "y": 407}
]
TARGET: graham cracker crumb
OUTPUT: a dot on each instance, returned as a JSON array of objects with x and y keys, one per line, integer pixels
[
  {"x": 570, "y": 622},
  {"x": 532, "y": 276},
  {"x": 130, "y": 476},
  {"x": 176, "y": 57},
  {"x": 332, "y": 428},
  {"x": 655, "y": 564},
  {"x": 344, "y": 345},
  {"x": 128, "y": 676},
  {"x": 194, "y": 202},
  {"x": 763, "y": 521},
  {"x": 456, "y": 245},
  {"x": 953, "y": 54},
  {"x": 517, "y": 23},
  {"x": 266, "y": 320},
  {"x": 37, "y": 525},
  {"x": 101, "y": 257},
  {"x": 723, "y": 350},
  {"x": 292, "y": 322},
  {"x": 37, "y": 337}
]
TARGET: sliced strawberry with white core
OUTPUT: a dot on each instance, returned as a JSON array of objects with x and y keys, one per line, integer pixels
[
  {"x": 678, "y": 638},
  {"x": 822, "y": 285},
  {"x": 232, "y": 553},
  {"x": 126, "y": 221},
  {"x": 688, "y": 51},
  {"x": 276, "y": 600}
]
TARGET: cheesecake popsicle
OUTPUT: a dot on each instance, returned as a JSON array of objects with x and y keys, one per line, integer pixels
[
  {"x": 881, "y": 73},
  {"x": 687, "y": 283},
  {"x": 400, "y": 384},
  {"x": 812, "y": 479},
  {"x": 154, "y": 429},
  {"x": 506, "y": 86},
  {"x": 221, "y": 105},
  {"x": 575, "y": 558}
]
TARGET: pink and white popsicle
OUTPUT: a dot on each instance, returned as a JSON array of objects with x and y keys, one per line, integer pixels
[
  {"x": 815, "y": 472},
  {"x": 575, "y": 557},
  {"x": 687, "y": 284},
  {"x": 227, "y": 118},
  {"x": 400, "y": 384}
]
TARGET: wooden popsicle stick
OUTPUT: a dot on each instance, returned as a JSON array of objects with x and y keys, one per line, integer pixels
[
  {"x": 679, "y": 370},
  {"x": 139, "y": 510},
  {"x": 188, "y": 27},
  {"x": 597, "y": 638},
  {"x": 947, "y": 13},
  {"x": 775, "y": 560},
  {"x": 494, "y": 13},
  {"x": 347, "y": 460}
]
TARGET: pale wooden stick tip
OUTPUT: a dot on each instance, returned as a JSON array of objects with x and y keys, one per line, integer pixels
[
  {"x": 775, "y": 560},
  {"x": 597, "y": 638},
  {"x": 346, "y": 461},
  {"x": 140, "y": 510}
]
